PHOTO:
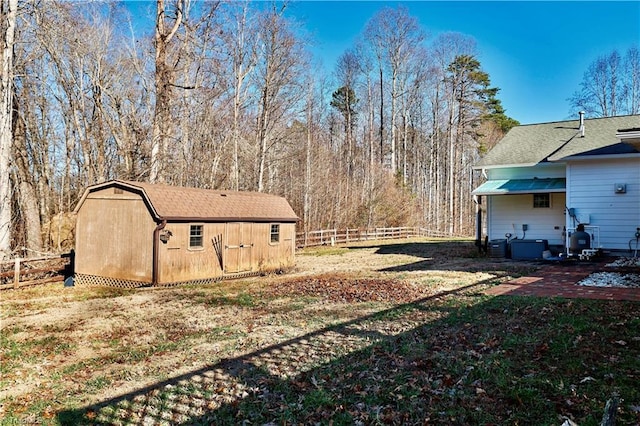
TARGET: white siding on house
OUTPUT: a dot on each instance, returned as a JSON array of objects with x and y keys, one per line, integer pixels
[
  {"x": 590, "y": 191},
  {"x": 507, "y": 214}
]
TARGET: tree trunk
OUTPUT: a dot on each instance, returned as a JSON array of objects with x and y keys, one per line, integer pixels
[
  {"x": 405, "y": 129},
  {"x": 242, "y": 49},
  {"x": 8, "y": 24},
  {"x": 307, "y": 172},
  {"x": 163, "y": 85},
  {"x": 262, "y": 139},
  {"x": 27, "y": 195},
  {"x": 381, "y": 116},
  {"x": 394, "y": 125},
  {"x": 451, "y": 168}
]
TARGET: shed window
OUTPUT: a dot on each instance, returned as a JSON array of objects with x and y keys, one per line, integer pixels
[
  {"x": 195, "y": 237},
  {"x": 275, "y": 233},
  {"x": 541, "y": 201}
]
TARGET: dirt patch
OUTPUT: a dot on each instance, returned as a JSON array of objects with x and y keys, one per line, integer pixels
[{"x": 345, "y": 289}]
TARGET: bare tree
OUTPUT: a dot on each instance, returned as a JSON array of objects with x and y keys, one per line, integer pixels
[
  {"x": 166, "y": 27},
  {"x": 9, "y": 9},
  {"x": 610, "y": 85},
  {"x": 124, "y": 108},
  {"x": 394, "y": 35},
  {"x": 27, "y": 190},
  {"x": 444, "y": 49},
  {"x": 345, "y": 101},
  {"x": 78, "y": 109},
  {"x": 31, "y": 172},
  {"x": 240, "y": 48},
  {"x": 632, "y": 80},
  {"x": 306, "y": 204},
  {"x": 281, "y": 62},
  {"x": 375, "y": 41}
]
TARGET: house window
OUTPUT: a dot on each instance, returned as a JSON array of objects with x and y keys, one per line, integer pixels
[
  {"x": 275, "y": 233},
  {"x": 195, "y": 237},
  {"x": 541, "y": 201}
]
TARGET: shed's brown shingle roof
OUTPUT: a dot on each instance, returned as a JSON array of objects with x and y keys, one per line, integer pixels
[{"x": 182, "y": 203}]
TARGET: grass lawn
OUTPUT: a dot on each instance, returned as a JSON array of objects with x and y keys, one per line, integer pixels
[{"x": 387, "y": 333}]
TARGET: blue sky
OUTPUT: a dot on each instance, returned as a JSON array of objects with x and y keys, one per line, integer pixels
[{"x": 536, "y": 52}]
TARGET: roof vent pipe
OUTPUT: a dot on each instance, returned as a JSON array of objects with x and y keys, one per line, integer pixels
[{"x": 581, "y": 128}]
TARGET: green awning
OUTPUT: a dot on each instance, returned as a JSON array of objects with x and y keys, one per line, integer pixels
[{"x": 521, "y": 186}]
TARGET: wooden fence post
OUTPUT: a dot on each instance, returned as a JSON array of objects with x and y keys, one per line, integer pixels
[{"x": 16, "y": 273}]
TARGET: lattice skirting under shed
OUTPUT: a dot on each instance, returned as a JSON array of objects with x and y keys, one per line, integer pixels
[
  {"x": 83, "y": 280},
  {"x": 192, "y": 282}
]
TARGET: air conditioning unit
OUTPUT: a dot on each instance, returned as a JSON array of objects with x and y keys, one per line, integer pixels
[{"x": 498, "y": 248}]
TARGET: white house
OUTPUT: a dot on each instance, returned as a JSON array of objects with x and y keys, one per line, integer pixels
[{"x": 544, "y": 179}]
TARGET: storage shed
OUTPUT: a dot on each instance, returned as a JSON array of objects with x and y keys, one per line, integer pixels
[{"x": 132, "y": 234}]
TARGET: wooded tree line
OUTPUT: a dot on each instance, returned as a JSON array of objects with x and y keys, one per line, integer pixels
[
  {"x": 225, "y": 95},
  {"x": 610, "y": 85}
]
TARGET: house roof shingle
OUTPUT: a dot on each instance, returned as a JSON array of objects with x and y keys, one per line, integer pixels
[
  {"x": 531, "y": 144},
  {"x": 182, "y": 203}
]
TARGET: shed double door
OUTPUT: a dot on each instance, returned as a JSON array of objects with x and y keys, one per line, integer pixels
[{"x": 238, "y": 248}]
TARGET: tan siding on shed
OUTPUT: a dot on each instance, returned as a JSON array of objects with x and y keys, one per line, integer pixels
[
  {"x": 114, "y": 237},
  {"x": 179, "y": 263},
  {"x": 222, "y": 253},
  {"x": 273, "y": 256}
]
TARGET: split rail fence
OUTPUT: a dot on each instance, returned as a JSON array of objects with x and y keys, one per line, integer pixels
[
  {"x": 23, "y": 272},
  {"x": 343, "y": 236}
]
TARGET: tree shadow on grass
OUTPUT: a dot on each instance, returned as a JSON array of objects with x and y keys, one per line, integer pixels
[
  {"x": 427, "y": 249},
  {"x": 452, "y": 358},
  {"x": 461, "y": 256},
  {"x": 233, "y": 383}
]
